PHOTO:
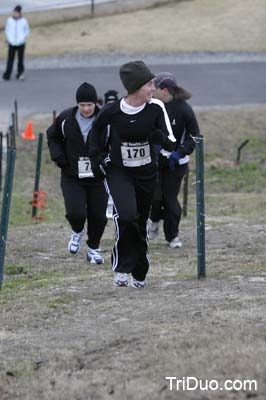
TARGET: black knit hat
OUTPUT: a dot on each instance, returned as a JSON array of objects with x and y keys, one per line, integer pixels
[
  {"x": 135, "y": 74},
  {"x": 18, "y": 8},
  {"x": 110, "y": 95},
  {"x": 86, "y": 93}
]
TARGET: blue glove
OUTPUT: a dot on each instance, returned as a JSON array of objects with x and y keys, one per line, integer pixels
[
  {"x": 173, "y": 159},
  {"x": 158, "y": 148}
]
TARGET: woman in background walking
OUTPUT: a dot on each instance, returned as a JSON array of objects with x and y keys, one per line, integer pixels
[{"x": 172, "y": 166}]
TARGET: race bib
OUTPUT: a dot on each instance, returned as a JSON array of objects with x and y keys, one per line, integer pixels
[
  {"x": 135, "y": 154},
  {"x": 84, "y": 167}
]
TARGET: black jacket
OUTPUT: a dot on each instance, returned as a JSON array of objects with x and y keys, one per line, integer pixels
[
  {"x": 184, "y": 125},
  {"x": 148, "y": 125},
  {"x": 66, "y": 143}
]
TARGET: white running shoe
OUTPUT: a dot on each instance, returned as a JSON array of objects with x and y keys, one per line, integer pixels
[
  {"x": 21, "y": 77},
  {"x": 121, "y": 279},
  {"x": 175, "y": 243},
  {"x": 94, "y": 257},
  {"x": 75, "y": 242},
  {"x": 138, "y": 284},
  {"x": 153, "y": 229}
]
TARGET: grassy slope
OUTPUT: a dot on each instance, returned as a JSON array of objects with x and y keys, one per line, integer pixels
[
  {"x": 224, "y": 131},
  {"x": 198, "y": 25}
]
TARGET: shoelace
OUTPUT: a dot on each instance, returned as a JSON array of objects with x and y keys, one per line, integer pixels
[
  {"x": 77, "y": 237},
  {"x": 94, "y": 253},
  {"x": 122, "y": 276}
]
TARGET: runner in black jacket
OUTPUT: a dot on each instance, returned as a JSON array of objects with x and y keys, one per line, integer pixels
[
  {"x": 136, "y": 123},
  {"x": 84, "y": 195},
  {"x": 172, "y": 166}
]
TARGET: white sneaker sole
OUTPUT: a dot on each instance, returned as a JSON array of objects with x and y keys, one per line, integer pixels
[
  {"x": 92, "y": 261},
  {"x": 121, "y": 284},
  {"x": 175, "y": 246}
]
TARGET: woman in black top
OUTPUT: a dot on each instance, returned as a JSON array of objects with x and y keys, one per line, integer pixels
[
  {"x": 172, "y": 166},
  {"x": 85, "y": 196},
  {"x": 136, "y": 123}
]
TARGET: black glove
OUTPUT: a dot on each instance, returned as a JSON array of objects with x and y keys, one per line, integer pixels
[
  {"x": 168, "y": 145},
  {"x": 98, "y": 167},
  {"x": 61, "y": 162},
  {"x": 158, "y": 137}
]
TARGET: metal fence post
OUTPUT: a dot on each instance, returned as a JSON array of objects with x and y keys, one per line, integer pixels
[
  {"x": 200, "y": 206},
  {"x": 92, "y": 8},
  {"x": 16, "y": 116},
  {"x": 185, "y": 192},
  {"x": 1, "y": 158},
  {"x": 10, "y": 166},
  {"x": 37, "y": 174},
  {"x": 13, "y": 131}
]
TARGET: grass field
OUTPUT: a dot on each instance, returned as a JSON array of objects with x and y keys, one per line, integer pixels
[
  {"x": 197, "y": 25},
  {"x": 67, "y": 333}
]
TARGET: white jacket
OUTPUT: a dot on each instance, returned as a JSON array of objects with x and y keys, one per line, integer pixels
[{"x": 16, "y": 31}]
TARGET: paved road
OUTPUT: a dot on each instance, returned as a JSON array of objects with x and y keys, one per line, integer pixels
[{"x": 211, "y": 84}]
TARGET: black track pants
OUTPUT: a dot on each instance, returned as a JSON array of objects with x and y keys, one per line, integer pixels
[
  {"x": 10, "y": 60},
  {"x": 165, "y": 204},
  {"x": 85, "y": 201},
  {"x": 132, "y": 197}
]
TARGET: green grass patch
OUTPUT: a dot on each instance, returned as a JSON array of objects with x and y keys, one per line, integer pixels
[
  {"x": 15, "y": 270},
  {"x": 30, "y": 282},
  {"x": 248, "y": 177},
  {"x": 58, "y": 302}
]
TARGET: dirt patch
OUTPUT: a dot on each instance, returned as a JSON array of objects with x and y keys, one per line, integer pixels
[{"x": 68, "y": 334}]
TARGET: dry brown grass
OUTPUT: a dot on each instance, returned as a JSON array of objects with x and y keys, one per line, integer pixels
[
  {"x": 198, "y": 25},
  {"x": 67, "y": 334}
]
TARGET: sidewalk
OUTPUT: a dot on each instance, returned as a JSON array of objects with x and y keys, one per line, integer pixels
[{"x": 115, "y": 59}]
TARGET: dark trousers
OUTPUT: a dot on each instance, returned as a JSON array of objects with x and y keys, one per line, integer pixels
[
  {"x": 85, "y": 201},
  {"x": 10, "y": 60},
  {"x": 165, "y": 204},
  {"x": 132, "y": 197}
]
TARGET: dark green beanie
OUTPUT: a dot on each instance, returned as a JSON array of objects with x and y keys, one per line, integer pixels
[{"x": 134, "y": 74}]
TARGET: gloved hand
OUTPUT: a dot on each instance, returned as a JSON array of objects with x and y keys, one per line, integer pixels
[
  {"x": 158, "y": 137},
  {"x": 158, "y": 148},
  {"x": 98, "y": 167},
  {"x": 61, "y": 162},
  {"x": 173, "y": 159}
]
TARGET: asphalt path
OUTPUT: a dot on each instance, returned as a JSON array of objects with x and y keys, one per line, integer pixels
[{"x": 215, "y": 84}]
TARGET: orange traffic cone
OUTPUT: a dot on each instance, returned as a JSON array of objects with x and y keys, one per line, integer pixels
[{"x": 28, "y": 134}]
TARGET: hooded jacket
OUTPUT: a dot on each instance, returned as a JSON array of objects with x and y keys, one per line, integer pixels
[
  {"x": 184, "y": 126},
  {"x": 16, "y": 31},
  {"x": 66, "y": 143}
]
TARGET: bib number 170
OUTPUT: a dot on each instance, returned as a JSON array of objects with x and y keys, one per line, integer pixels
[{"x": 135, "y": 153}]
